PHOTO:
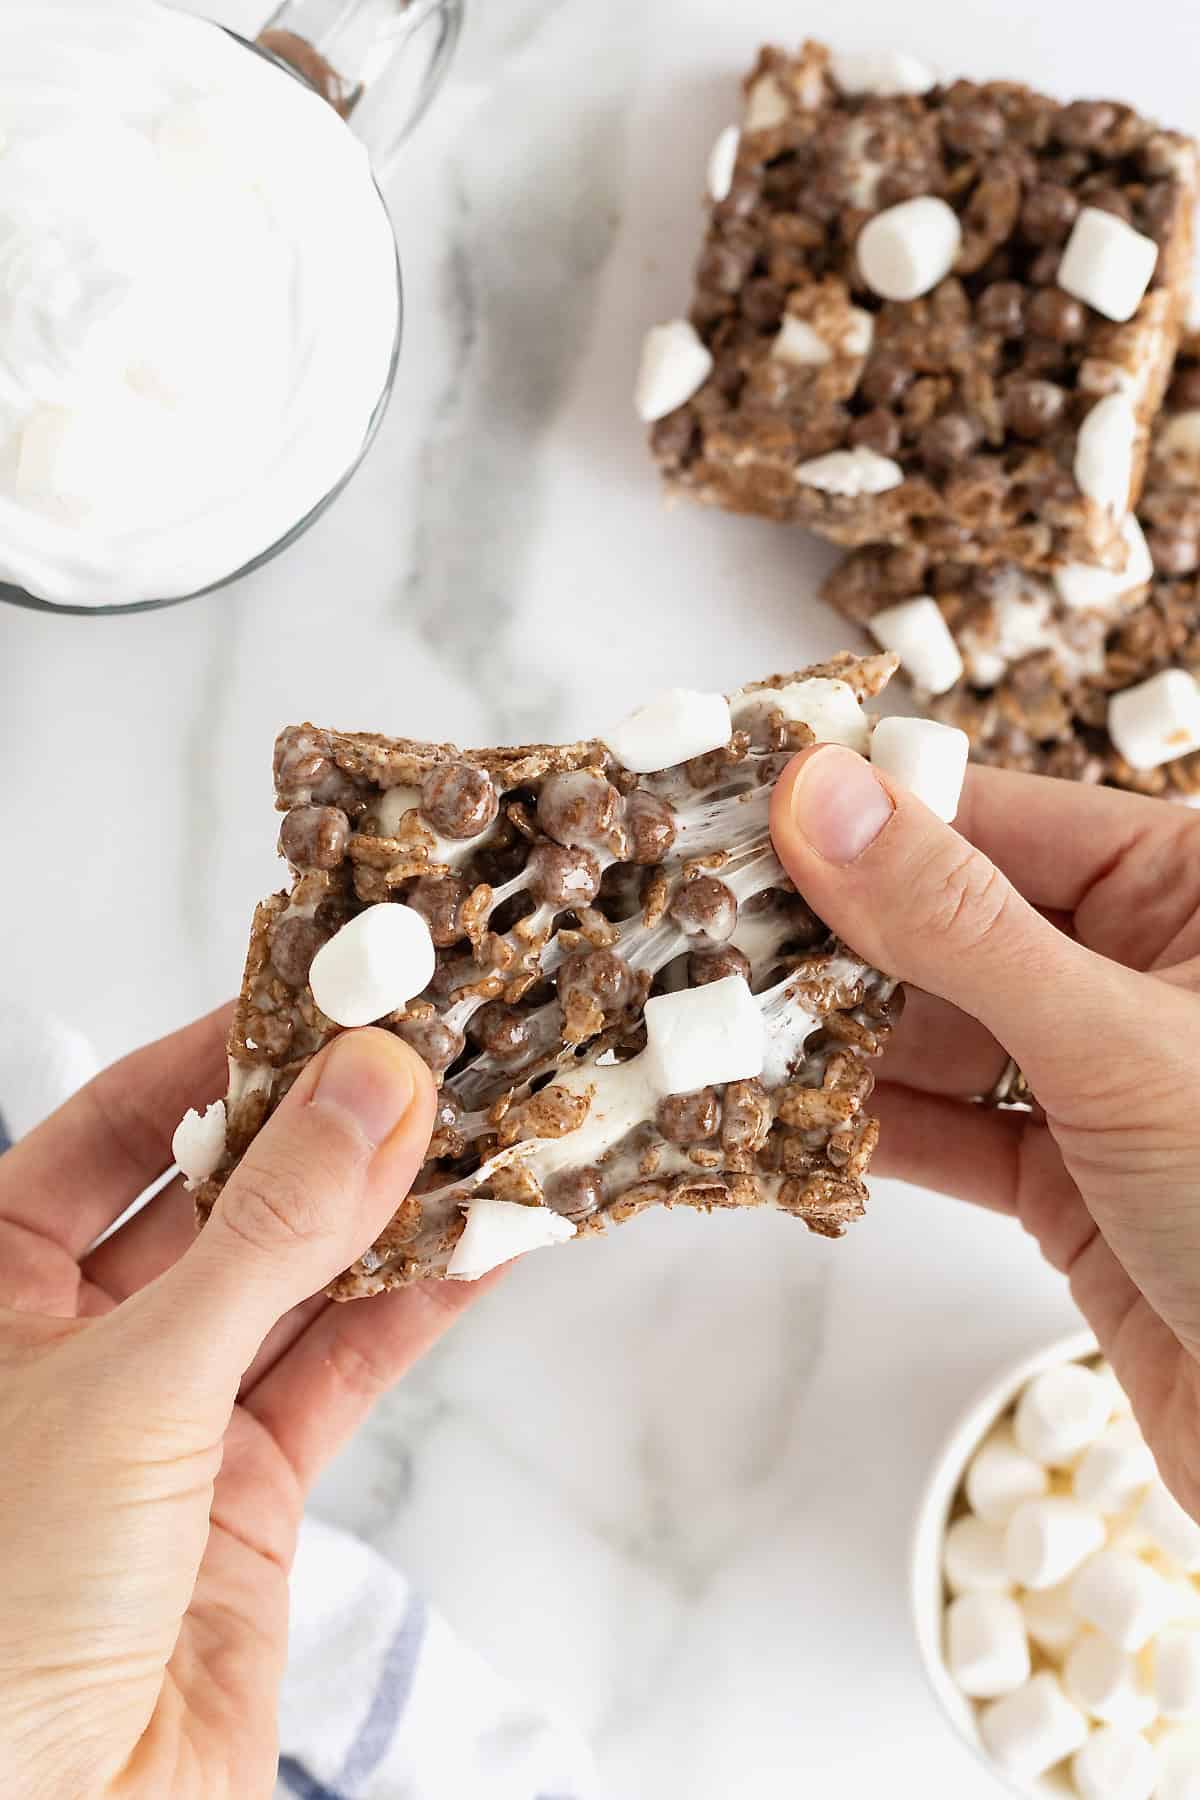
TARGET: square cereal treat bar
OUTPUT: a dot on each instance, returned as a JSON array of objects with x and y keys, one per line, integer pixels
[
  {"x": 1083, "y": 673},
  {"x": 927, "y": 314},
  {"x": 595, "y": 950}
]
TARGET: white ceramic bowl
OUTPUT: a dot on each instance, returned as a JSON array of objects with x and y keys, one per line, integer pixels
[{"x": 925, "y": 1577}]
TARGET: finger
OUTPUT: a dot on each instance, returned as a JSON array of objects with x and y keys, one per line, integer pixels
[
  {"x": 1128, "y": 867},
  {"x": 318, "y": 1394},
  {"x": 314, "y": 1189},
  {"x": 937, "y": 1049},
  {"x": 72, "y": 1176},
  {"x": 912, "y": 897}
]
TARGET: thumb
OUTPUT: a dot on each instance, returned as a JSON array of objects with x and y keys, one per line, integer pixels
[
  {"x": 917, "y": 900},
  {"x": 314, "y": 1189}
]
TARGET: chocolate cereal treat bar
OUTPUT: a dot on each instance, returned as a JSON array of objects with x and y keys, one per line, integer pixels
[
  {"x": 594, "y": 948},
  {"x": 1083, "y": 673},
  {"x": 927, "y": 314}
]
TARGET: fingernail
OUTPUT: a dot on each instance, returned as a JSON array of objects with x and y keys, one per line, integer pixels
[
  {"x": 839, "y": 805},
  {"x": 369, "y": 1077}
]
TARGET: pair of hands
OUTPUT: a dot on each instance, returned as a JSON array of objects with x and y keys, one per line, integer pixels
[{"x": 166, "y": 1403}]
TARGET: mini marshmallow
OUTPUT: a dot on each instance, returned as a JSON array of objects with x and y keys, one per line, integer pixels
[
  {"x": 674, "y": 365},
  {"x": 1104, "y": 448},
  {"x": 1173, "y": 1530},
  {"x": 1157, "y": 720},
  {"x": 375, "y": 964},
  {"x": 1000, "y": 1477},
  {"x": 722, "y": 161},
  {"x": 766, "y": 105},
  {"x": 1122, "y": 1598},
  {"x": 850, "y": 473},
  {"x": 1119, "y": 1401},
  {"x": 1047, "y": 1540},
  {"x": 1178, "y": 1756},
  {"x": 702, "y": 1036},
  {"x": 906, "y": 250},
  {"x": 1107, "y": 264},
  {"x": 859, "y": 334},
  {"x": 498, "y": 1230},
  {"x": 928, "y": 759},
  {"x": 830, "y": 708},
  {"x": 917, "y": 631},
  {"x": 797, "y": 343},
  {"x": 1060, "y": 1413},
  {"x": 671, "y": 729},
  {"x": 1029, "y": 1731},
  {"x": 1115, "y": 1765},
  {"x": 1115, "y": 1469},
  {"x": 199, "y": 1143},
  {"x": 883, "y": 72},
  {"x": 987, "y": 1651},
  {"x": 973, "y": 1557},
  {"x": 1108, "y": 1683},
  {"x": 1050, "y": 1619},
  {"x": 1088, "y": 589},
  {"x": 1176, "y": 1655}
]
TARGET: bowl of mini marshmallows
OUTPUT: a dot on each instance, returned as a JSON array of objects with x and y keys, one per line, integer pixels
[{"x": 1056, "y": 1590}]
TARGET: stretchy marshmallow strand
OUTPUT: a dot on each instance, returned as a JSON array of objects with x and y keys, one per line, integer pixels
[
  {"x": 1122, "y": 1597},
  {"x": 1045, "y": 1541},
  {"x": 850, "y": 473},
  {"x": 1087, "y": 589},
  {"x": 883, "y": 72},
  {"x": 498, "y": 1230},
  {"x": 1060, "y": 1413},
  {"x": 928, "y": 759},
  {"x": 1115, "y": 1469},
  {"x": 1000, "y": 1477},
  {"x": 1107, "y": 264},
  {"x": 973, "y": 1557},
  {"x": 906, "y": 250},
  {"x": 674, "y": 365},
  {"x": 199, "y": 1143},
  {"x": 1157, "y": 720},
  {"x": 1174, "y": 1531},
  {"x": 383, "y": 958},
  {"x": 1032, "y": 1729},
  {"x": 1108, "y": 1683},
  {"x": 1176, "y": 1657},
  {"x": 701, "y": 1037},
  {"x": 1104, "y": 452},
  {"x": 671, "y": 729},
  {"x": 918, "y": 633},
  {"x": 722, "y": 161},
  {"x": 987, "y": 1651},
  {"x": 1114, "y": 1765}
]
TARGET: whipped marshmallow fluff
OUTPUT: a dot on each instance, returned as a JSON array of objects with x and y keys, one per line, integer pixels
[{"x": 199, "y": 301}]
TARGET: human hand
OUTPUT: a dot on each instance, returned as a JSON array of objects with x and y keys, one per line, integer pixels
[
  {"x": 147, "y": 1522},
  {"x": 1058, "y": 924}
]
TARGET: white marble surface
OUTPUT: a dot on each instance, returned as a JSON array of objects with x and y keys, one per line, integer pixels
[{"x": 665, "y": 1480}]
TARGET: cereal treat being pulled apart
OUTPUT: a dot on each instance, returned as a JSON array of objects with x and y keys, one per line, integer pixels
[
  {"x": 594, "y": 948},
  {"x": 927, "y": 314},
  {"x": 1085, "y": 673}
]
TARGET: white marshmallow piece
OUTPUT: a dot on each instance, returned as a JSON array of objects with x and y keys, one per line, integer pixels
[
  {"x": 1115, "y": 1765},
  {"x": 1060, "y": 1412},
  {"x": 1122, "y": 1597},
  {"x": 674, "y": 365},
  {"x": 1029, "y": 1731},
  {"x": 1000, "y": 1477},
  {"x": 1050, "y": 1619},
  {"x": 987, "y": 1651},
  {"x": 1108, "y": 1684},
  {"x": 830, "y": 708},
  {"x": 700, "y": 1037},
  {"x": 883, "y": 72},
  {"x": 906, "y": 250},
  {"x": 1115, "y": 1469},
  {"x": 722, "y": 161},
  {"x": 1157, "y": 720},
  {"x": 1178, "y": 1755},
  {"x": 1087, "y": 589},
  {"x": 1119, "y": 1402},
  {"x": 199, "y": 1143},
  {"x": 917, "y": 631},
  {"x": 671, "y": 729},
  {"x": 797, "y": 343},
  {"x": 1177, "y": 1673},
  {"x": 973, "y": 1557},
  {"x": 1173, "y": 1530},
  {"x": 375, "y": 964},
  {"x": 1107, "y": 264},
  {"x": 928, "y": 759},
  {"x": 766, "y": 105},
  {"x": 498, "y": 1230},
  {"x": 850, "y": 473},
  {"x": 1104, "y": 449},
  {"x": 1047, "y": 1540},
  {"x": 859, "y": 334}
]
